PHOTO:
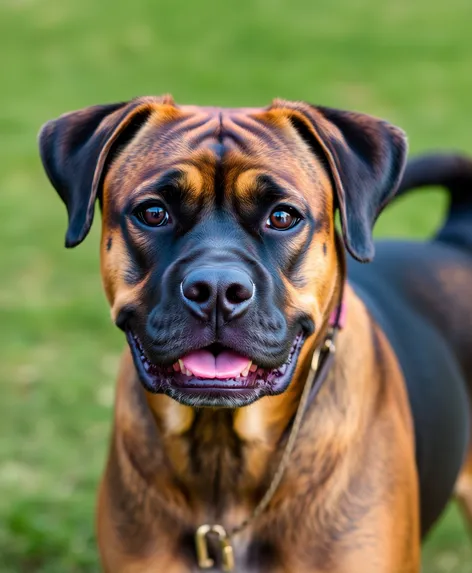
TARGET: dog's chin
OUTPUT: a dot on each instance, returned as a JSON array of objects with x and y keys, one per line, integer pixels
[{"x": 237, "y": 391}]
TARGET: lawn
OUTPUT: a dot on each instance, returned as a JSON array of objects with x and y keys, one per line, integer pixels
[{"x": 408, "y": 61}]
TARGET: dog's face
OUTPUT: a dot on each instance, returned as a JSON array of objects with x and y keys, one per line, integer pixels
[{"x": 219, "y": 253}]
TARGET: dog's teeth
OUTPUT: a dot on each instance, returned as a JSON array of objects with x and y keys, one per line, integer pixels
[
  {"x": 146, "y": 366},
  {"x": 253, "y": 367},
  {"x": 283, "y": 369},
  {"x": 182, "y": 367},
  {"x": 176, "y": 366},
  {"x": 245, "y": 372},
  {"x": 186, "y": 371}
]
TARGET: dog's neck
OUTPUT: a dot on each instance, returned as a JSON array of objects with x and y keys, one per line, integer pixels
[
  {"x": 215, "y": 465},
  {"x": 210, "y": 453}
]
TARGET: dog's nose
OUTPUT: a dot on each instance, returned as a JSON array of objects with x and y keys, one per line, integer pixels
[{"x": 229, "y": 292}]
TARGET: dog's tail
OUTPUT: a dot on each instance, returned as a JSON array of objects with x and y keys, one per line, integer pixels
[{"x": 454, "y": 172}]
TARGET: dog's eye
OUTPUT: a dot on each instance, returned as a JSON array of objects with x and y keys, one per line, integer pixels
[
  {"x": 152, "y": 215},
  {"x": 283, "y": 218}
]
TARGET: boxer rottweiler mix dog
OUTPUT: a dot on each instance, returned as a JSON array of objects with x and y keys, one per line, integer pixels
[{"x": 222, "y": 264}]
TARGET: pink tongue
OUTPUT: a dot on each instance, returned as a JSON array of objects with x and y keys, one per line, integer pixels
[
  {"x": 230, "y": 364},
  {"x": 203, "y": 364}
]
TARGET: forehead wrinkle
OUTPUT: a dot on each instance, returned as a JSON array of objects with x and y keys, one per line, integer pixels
[
  {"x": 160, "y": 128},
  {"x": 142, "y": 153},
  {"x": 277, "y": 147},
  {"x": 162, "y": 139},
  {"x": 235, "y": 135},
  {"x": 175, "y": 136},
  {"x": 300, "y": 172},
  {"x": 263, "y": 138},
  {"x": 206, "y": 130},
  {"x": 279, "y": 123},
  {"x": 219, "y": 135},
  {"x": 231, "y": 139}
]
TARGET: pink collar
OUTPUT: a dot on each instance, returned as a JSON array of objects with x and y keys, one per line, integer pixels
[{"x": 338, "y": 316}]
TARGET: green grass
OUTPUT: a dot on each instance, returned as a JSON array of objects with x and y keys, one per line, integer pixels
[{"x": 407, "y": 61}]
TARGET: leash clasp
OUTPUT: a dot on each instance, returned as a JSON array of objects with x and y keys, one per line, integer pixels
[{"x": 201, "y": 544}]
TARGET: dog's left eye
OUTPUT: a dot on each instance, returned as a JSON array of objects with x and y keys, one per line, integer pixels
[
  {"x": 283, "y": 218},
  {"x": 152, "y": 215}
]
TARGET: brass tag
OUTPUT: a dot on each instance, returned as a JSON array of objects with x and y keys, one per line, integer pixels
[{"x": 201, "y": 544}]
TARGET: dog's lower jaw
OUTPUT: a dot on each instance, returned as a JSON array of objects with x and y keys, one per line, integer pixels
[
  {"x": 214, "y": 393},
  {"x": 230, "y": 399}
]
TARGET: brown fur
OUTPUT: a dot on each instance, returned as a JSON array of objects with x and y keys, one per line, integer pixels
[
  {"x": 348, "y": 501},
  {"x": 172, "y": 469}
]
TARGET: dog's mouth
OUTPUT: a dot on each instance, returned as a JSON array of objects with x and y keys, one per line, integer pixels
[{"x": 214, "y": 375}]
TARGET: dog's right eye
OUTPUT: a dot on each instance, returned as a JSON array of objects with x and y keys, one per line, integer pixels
[{"x": 152, "y": 215}]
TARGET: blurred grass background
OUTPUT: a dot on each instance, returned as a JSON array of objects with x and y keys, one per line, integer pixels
[{"x": 407, "y": 61}]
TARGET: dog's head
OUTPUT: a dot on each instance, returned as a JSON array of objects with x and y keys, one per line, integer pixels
[{"x": 219, "y": 252}]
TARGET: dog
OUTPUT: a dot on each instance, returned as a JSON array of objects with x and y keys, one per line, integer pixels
[{"x": 222, "y": 264}]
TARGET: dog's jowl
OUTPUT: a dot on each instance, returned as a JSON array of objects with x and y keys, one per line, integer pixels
[{"x": 224, "y": 268}]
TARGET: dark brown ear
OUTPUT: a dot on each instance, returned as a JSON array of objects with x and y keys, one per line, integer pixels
[
  {"x": 365, "y": 158},
  {"x": 76, "y": 148}
]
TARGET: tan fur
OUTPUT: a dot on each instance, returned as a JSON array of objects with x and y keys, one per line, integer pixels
[
  {"x": 348, "y": 502},
  {"x": 333, "y": 456}
]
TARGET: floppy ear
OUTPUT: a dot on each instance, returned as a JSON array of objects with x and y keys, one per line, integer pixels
[
  {"x": 77, "y": 147},
  {"x": 365, "y": 158}
]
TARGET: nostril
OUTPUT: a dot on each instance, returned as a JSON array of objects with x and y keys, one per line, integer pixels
[
  {"x": 199, "y": 292},
  {"x": 208, "y": 292},
  {"x": 237, "y": 293}
]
